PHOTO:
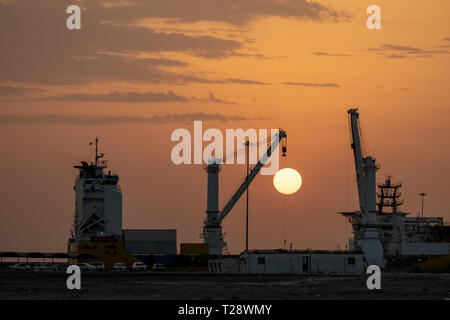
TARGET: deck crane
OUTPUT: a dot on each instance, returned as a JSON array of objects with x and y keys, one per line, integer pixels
[
  {"x": 212, "y": 228},
  {"x": 366, "y": 169}
]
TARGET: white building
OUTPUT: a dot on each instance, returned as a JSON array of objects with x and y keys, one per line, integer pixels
[{"x": 282, "y": 261}]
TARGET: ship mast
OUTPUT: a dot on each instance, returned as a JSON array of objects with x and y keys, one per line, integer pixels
[
  {"x": 389, "y": 196},
  {"x": 97, "y": 155},
  {"x": 96, "y": 151}
]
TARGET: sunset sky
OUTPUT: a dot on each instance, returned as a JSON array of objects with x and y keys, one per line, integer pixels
[{"x": 139, "y": 69}]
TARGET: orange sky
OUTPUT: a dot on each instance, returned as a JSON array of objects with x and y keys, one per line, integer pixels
[{"x": 296, "y": 64}]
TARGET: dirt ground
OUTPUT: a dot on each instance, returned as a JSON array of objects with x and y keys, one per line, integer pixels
[{"x": 108, "y": 285}]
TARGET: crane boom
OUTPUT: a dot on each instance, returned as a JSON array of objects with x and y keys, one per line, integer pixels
[
  {"x": 212, "y": 227},
  {"x": 366, "y": 168},
  {"x": 236, "y": 196},
  {"x": 357, "y": 154}
]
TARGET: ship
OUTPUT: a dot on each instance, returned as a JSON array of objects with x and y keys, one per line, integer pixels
[
  {"x": 97, "y": 233},
  {"x": 388, "y": 236},
  {"x": 97, "y": 229}
]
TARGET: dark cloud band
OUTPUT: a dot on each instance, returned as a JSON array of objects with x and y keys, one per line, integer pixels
[
  {"x": 314, "y": 85},
  {"x": 61, "y": 119}
]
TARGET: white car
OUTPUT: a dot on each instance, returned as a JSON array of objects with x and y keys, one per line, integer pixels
[
  {"x": 20, "y": 267},
  {"x": 139, "y": 266},
  {"x": 159, "y": 267},
  {"x": 99, "y": 265},
  {"x": 45, "y": 267},
  {"x": 86, "y": 267},
  {"x": 119, "y": 267}
]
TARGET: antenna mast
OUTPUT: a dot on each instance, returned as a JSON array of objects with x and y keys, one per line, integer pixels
[{"x": 96, "y": 151}]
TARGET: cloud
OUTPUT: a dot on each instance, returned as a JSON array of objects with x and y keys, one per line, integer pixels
[
  {"x": 36, "y": 46},
  {"x": 235, "y": 12},
  {"x": 391, "y": 88},
  {"x": 212, "y": 98},
  {"x": 321, "y": 53},
  {"x": 115, "y": 96},
  {"x": 401, "y": 48},
  {"x": 314, "y": 85},
  {"x": 243, "y": 81},
  {"x": 401, "y": 51},
  {"x": 396, "y": 56},
  {"x": 8, "y": 91},
  {"x": 88, "y": 120},
  {"x": 134, "y": 97}
]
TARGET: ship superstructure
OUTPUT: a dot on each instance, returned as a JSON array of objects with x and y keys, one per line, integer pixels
[
  {"x": 98, "y": 201},
  {"x": 380, "y": 222}
]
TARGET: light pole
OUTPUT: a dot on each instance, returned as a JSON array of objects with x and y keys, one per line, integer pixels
[
  {"x": 247, "y": 145},
  {"x": 422, "y": 194}
]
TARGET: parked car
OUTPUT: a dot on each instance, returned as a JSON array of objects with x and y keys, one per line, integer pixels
[
  {"x": 86, "y": 267},
  {"x": 139, "y": 266},
  {"x": 99, "y": 265},
  {"x": 61, "y": 266},
  {"x": 45, "y": 267},
  {"x": 159, "y": 267},
  {"x": 20, "y": 267},
  {"x": 119, "y": 267}
]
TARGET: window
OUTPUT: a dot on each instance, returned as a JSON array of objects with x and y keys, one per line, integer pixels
[
  {"x": 351, "y": 260},
  {"x": 261, "y": 260}
]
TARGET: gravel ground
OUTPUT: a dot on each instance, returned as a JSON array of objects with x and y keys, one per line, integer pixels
[{"x": 148, "y": 285}]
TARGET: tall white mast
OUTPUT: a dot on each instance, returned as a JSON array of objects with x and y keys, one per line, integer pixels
[{"x": 366, "y": 169}]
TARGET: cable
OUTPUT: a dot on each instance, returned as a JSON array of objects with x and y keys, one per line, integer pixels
[
  {"x": 365, "y": 149},
  {"x": 253, "y": 146},
  {"x": 284, "y": 220}
]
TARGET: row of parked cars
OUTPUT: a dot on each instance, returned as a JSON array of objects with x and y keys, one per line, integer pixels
[
  {"x": 120, "y": 267},
  {"x": 89, "y": 267},
  {"x": 39, "y": 267}
]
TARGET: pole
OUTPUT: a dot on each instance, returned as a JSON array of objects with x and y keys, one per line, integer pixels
[
  {"x": 423, "y": 196},
  {"x": 247, "y": 145},
  {"x": 96, "y": 151},
  {"x": 422, "y": 206}
]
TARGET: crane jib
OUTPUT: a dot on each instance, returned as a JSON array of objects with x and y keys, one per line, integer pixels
[{"x": 253, "y": 173}]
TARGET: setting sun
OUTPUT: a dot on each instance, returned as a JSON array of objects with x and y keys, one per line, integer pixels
[{"x": 287, "y": 181}]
